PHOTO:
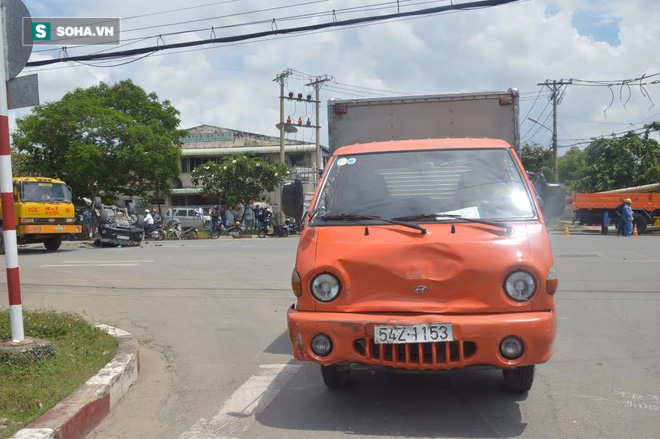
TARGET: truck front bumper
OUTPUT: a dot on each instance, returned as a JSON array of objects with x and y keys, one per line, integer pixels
[
  {"x": 50, "y": 229},
  {"x": 476, "y": 341}
]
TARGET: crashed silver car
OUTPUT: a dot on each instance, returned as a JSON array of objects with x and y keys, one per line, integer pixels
[{"x": 115, "y": 225}]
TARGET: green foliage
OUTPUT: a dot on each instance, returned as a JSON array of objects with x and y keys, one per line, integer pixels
[
  {"x": 28, "y": 390},
  {"x": 239, "y": 179},
  {"x": 570, "y": 164},
  {"x": 549, "y": 174},
  {"x": 103, "y": 139},
  {"x": 534, "y": 157},
  {"x": 631, "y": 160}
]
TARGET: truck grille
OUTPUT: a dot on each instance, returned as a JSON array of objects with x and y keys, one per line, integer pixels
[{"x": 440, "y": 355}]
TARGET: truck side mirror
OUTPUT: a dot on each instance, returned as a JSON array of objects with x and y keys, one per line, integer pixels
[{"x": 293, "y": 199}]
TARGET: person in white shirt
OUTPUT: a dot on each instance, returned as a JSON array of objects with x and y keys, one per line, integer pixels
[{"x": 148, "y": 219}]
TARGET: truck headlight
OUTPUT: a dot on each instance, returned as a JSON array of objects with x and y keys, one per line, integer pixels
[
  {"x": 520, "y": 286},
  {"x": 325, "y": 287}
]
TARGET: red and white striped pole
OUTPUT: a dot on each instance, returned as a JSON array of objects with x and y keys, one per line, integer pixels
[{"x": 7, "y": 196}]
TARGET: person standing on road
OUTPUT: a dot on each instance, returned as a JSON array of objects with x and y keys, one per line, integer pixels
[
  {"x": 627, "y": 217},
  {"x": 215, "y": 217},
  {"x": 259, "y": 215},
  {"x": 619, "y": 224},
  {"x": 605, "y": 223},
  {"x": 230, "y": 215},
  {"x": 249, "y": 217}
]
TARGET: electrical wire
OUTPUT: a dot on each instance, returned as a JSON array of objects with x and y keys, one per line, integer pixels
[
  {"x": 613, "y": 136},
  {"x": 237, "y": 38},
  {"x": 532, "y": 107},
  {"x": 537, "y": 118},
  {"x": 153, "y": 14}
]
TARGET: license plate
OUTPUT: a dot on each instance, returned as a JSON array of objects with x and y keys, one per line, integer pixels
[
  {"x": 123, "y": 237},
  {"x": 59, "y": 228},
  {"x": 389, "y": 334}
]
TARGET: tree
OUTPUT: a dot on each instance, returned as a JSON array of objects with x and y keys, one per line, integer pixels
[
  {"x": 104, "y": 140},
  {"x": 631, "y": 160},
  {"x": 570, "y": 165},
  {"x": 534, "y": 157},
  {"x": 238, "y": 178}
]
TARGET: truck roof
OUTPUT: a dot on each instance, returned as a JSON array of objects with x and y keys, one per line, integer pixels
[
  {"x": 421, "y": 144},
  {"x": 38, "y": 179}
]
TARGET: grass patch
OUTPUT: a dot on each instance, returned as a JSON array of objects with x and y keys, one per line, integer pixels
[{"x": 29, "y": 390}]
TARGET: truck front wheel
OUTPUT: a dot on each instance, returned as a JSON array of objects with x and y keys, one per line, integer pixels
[
  {"x": 641, "y": 223},
  {"x": 333, "y": 377},
  {"x": 54, "y": 243},
  {"x": 519, "y": 379}
]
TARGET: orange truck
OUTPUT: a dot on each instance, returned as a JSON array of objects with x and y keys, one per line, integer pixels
[
  {"x": 589, "y": 209},
  {"x": 44, "y": 212},
  {"x": 426, "y": 255}
]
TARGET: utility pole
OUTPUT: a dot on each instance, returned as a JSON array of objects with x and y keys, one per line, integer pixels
[
  {"x": 280, "y": 78},
  {"x": 317, "y": 83},
  {"x": 555, "y": 86}
]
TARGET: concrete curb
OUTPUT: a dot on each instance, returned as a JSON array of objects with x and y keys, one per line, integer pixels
[{"x": 87, "y": 406}]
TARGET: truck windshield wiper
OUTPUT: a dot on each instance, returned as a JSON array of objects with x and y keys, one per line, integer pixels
[
  {"x": 421, "y": 216},
  {"x": 357, "y": 217}
]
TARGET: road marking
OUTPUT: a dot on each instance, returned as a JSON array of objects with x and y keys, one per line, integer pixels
[
  {"x": 239, "y": 411},
  {"x": 90, "y": 265},
  {"x": 107, "y": 262}
]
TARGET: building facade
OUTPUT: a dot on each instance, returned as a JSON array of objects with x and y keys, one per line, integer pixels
[{"x": 210, "y": 143}]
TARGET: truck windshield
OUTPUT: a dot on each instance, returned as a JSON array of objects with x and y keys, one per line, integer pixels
[
  {"x": 44, "y": 192},
  {"x": 469, "y": 183}
]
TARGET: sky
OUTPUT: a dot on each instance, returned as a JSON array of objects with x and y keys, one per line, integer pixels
[{"x": 518, "y": 45}]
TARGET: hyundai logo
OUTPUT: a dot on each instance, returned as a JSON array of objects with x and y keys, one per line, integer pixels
[{"x": 420, "y": 289}]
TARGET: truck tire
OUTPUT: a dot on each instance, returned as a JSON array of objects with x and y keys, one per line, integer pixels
[
  {"x": 333, "y": 377},
  {"x": 53, "y": 244},
  {"x": 519, "y": 379},
  {"x": 641, "y": 223}
]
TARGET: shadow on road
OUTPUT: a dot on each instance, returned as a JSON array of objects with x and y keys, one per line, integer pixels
[
  {"x": 469, "y": 404},
  {"x": 42, "y": 251},
  {"x": 281, "y": 345}
]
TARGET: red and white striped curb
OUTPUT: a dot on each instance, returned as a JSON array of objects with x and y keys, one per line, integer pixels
[{"x": 84, "y": 409}]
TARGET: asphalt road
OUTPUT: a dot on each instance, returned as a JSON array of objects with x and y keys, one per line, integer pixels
[{"x": 216, "y": 362}]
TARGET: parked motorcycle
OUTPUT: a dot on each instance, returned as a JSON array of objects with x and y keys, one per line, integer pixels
[
  {"x": 280, "y": 230},
  {"x": 235, "y": 231},
  {"x": 155, "y": 231}
]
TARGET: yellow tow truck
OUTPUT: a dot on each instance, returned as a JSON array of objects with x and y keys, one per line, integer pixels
[{"x": 44, "y": 212}]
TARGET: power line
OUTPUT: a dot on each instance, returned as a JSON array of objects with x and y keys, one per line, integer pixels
[
  {"x": 333, "y": 13},
  {"x": 612, "y": 136},
  {"x": 124, "y": 53},
  {"x": 156, "y": 13}
]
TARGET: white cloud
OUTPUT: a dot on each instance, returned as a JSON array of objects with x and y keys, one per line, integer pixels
[{"x": 516, "y": 45}]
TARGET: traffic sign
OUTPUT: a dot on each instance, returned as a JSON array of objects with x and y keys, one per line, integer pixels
[{"x": 17, "y": 54}]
